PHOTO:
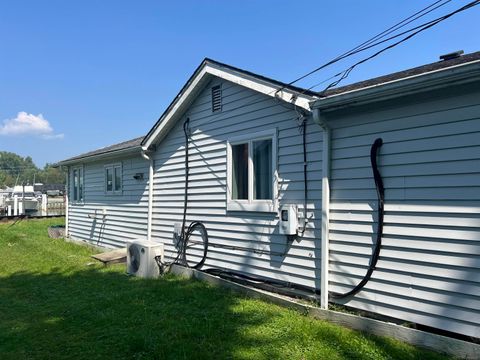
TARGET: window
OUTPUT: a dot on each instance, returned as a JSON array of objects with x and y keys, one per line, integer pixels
[
  {"x": 77, "y": 182},
  {"x": 251, "y": 172},
  {"x": 113, "y": 179},
  {"x": 216, "y": 98}
]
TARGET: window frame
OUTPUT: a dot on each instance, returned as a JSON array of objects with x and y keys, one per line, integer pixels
[
  {"x": 112, "y": 167},
  {"x": 81, "y": 170},
  {"x": 250, "y": 204}
]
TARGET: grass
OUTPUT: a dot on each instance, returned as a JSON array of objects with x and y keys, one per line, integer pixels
[{"x": 56, "y": 304}]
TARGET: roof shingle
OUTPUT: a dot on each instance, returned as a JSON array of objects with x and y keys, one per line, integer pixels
[
  {"x": 438, "y": 65},
  {"x": 108, "y": 149}
]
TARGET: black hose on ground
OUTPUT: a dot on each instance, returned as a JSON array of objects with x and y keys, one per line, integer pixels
[
  {"x": 380, "y": 209},
  {"x": 278, "y": 286}
]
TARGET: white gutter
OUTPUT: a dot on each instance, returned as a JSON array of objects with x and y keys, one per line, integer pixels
[
  {"x": 150, "y": 193},
  {"x": 324, "y": 264}
]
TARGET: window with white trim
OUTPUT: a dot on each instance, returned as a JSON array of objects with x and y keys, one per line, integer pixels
[
  {"x": 77, "y": 184},
  {"x": 252, "y": 172},
  {"x": 113, "y": 179}
]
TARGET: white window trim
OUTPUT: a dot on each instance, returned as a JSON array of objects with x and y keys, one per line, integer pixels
[
  {"x": 82, "y": 200},
  {"x": 251, "y": 204},
  {"x": 112, "y": 167}
]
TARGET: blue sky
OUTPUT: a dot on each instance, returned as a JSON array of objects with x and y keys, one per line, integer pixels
[{"x": 100, "y": 72}]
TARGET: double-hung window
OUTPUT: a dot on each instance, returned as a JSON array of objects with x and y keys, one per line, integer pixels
[
  {"x": 77, "y": 184},
  {"x": 113, "y": 179},
  {"x": 252, "y": 172}
]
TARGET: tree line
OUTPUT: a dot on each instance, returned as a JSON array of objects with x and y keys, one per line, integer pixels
[{"x": 15, "y": 169}]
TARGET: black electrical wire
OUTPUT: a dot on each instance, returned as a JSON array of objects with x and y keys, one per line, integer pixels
[
  {"x": 377, "y": 144},
  {"x": 256, "y": 281},
  {"x": 305, "y": 183},
  {"x": 186, "y": 130},
  {"x": 345, "y": 73},
  {"x": 187, "y": 232},
  {"x": 196, "y": 225},
  {"x": 240, "y": 248},
  {"x": 368, "y": 43},
  {"x": 19, "y": 219}
]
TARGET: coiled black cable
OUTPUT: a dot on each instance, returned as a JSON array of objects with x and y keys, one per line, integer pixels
[
  {"x": 186, "y": 232},
  {"x": 377, "y": 144}
]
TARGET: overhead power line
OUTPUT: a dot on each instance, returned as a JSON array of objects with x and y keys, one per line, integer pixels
[
  {"x": 345, "y": 73},
  {"x": 371, "y": 42}
]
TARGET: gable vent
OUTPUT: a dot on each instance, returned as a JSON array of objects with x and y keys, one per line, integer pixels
[{"x": 216, "y": 98}]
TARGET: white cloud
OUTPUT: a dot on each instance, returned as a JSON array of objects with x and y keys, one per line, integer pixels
[{"x": 28, "y": 124}]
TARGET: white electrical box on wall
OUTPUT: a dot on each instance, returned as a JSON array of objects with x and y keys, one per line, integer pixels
[{"x": 288, "y": 219}]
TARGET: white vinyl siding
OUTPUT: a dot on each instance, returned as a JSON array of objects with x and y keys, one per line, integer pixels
[
  {"x": 429, "y": 266},
  {"x": 257, "y": 247},
  {"x": 126, "y": 213}
]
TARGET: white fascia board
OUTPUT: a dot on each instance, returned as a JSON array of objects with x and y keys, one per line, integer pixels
[
  {"x": 264, "y": 87},
  {"x": 261, "y": 86},
  {"x": 165, "y": 121},
  {"x": 462, "y": 73}
]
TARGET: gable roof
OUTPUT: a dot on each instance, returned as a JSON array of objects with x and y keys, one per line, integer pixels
[
  {"x": 128, "y": 146},
  {"x": 209, "y": 68},
  {"x": 200, "y": 77}
]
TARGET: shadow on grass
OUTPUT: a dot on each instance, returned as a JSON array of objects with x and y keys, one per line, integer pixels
[{"x": 101, "y": 313}]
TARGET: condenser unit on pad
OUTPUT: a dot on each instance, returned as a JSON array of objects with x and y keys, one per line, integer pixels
[{"x": 141, "y": 258}]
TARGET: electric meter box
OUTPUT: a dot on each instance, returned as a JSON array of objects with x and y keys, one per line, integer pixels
[{"x": 288, "y": 219}]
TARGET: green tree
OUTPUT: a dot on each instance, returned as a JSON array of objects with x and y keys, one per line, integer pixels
[{"x": 15, "y": 169}]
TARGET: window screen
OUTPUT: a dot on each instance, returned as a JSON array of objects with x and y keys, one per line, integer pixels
[
  {"x": 262, "y": 169},
  {"x": 240, "y": 172}
]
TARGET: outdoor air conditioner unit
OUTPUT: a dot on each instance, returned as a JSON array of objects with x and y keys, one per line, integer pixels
[{"x": 141, "y": 258}]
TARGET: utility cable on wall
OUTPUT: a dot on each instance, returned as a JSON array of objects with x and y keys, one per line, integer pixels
[{"x": 380, "y": 210}]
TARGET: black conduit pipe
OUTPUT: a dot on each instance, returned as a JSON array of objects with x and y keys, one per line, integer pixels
[
  {"x": 305, "y": 179},
  {"x": 181, "y": 258},
  {"x": 377, "y": 144},
  {"x": 196, "y": 225}
]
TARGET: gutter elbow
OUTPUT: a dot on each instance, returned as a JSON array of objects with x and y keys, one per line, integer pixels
[
  {"x": 144, "y": 155},
  {"x": 318, "y": 119}
]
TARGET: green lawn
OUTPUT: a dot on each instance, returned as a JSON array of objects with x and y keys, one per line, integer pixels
[{"x": 54, "y": 304}]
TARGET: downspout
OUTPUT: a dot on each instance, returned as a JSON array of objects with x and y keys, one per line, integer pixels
[
  {"x": 324, "y": 264},
  {"x": 150, "y": 193},
  {"x": 67, "y": 209}
]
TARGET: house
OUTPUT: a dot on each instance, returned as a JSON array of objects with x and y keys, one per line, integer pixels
[{"x": 256, "y": 145}]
